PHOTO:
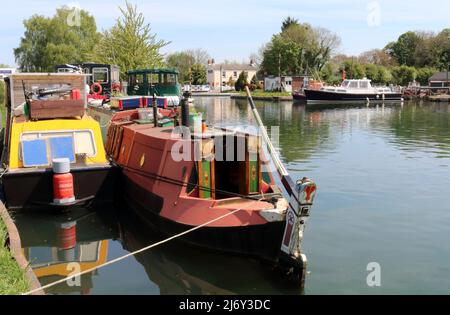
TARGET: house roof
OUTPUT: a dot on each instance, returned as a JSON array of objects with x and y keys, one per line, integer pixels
[
  {"x": 440, "y": 76},
  {"x": 232, "y": 67}
]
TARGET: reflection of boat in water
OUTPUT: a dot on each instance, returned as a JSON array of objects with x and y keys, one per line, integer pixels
[
  {"x": 58, "y": 246},
  {"x": 179, "y": 269}
]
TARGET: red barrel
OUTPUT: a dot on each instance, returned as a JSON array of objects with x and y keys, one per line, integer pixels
[{"x": 63, "y": 188}]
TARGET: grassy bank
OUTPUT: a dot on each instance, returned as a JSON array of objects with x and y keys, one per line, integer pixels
[{"x": 12, "y": 278}]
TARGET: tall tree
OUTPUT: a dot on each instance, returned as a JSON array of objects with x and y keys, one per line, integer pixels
[
  {"x": 299, "y": 48},
  {"x": 187, "y": 61},
  {"x": 404, "y": 48},
  {"x": 51, "y": 41},
  {"x": 130, "y": 43},
  {"x": 289, "y": 21},
  {"x": 198, "y": 72}
]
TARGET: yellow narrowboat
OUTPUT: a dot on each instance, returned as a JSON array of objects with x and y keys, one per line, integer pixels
[{"x": 46, "y": 125}]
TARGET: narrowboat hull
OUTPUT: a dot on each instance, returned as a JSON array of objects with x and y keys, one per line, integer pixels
[
  {"x": 31, "y": 189},
  {"x": 327, "y": 97},
  {"x": 255, "y": 240}
]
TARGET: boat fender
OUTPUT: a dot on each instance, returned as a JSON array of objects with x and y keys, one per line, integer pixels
[
  {"x": 96, "y": 89},
  {"x": 63, "y": 191}
]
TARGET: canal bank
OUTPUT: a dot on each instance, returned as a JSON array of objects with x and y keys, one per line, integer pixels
[
  {"x": 17, "y": 276},
  {"x": 258, "y": 96}
]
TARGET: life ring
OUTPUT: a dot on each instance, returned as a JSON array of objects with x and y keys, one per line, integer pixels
[{"x": 99, "y": 89}]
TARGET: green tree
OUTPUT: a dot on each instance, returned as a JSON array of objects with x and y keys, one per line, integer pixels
[
  {"x": 254, "y": 80},
  {"x": 299, "y": 48},
  {"x": 242, "y": 81},
  {"x": 281, "y": 55},
  {"x": 354, "y": 69},
  {"x": 423, "y": 74},
  {"x": 198, "y": 74},
  {"x": 384, "y": 75},
  {"x": 51, "y": 41},
  {"x": 183, "y": 61},
  {"x": 403, "y": 50},
  {"x": 330, "y": 73},
  {"x": 402, "y": 75},
  {"x": 130, "y": 43},
  {"x": 288, "y": 22},
  {"x": 371, "y": 72}
]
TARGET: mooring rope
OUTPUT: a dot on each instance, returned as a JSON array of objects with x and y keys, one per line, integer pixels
[{"x": 138, "y": 251}]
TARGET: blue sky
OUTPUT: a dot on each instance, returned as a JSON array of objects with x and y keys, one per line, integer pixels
[{"x": 234, "y": 29}]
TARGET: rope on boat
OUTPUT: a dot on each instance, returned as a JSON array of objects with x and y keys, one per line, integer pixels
[{"x": 138, "y": 251}]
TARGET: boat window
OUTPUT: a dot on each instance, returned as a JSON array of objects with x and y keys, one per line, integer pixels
[
  {"x": 153, "y": 78},
  {"x": 100, "y": 75},
  {"x": 135, "y": 79},
  {"x": 64, "y": 70},
  {"x": 364, "y": 84},
  {"x": 353, "y": 84},
  {"x": 344, "y": 83},
  {"x": 82, "y": 140},
  {"x": 169, "y": 78}
]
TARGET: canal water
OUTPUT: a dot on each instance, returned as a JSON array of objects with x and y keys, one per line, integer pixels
[{"x": 383, "y": 174}]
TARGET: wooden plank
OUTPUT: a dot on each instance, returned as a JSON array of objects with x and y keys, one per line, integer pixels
[{"x": 56, "y": 109}]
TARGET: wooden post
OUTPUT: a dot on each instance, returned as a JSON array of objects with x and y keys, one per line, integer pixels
[{"x": 155, "y": 110}]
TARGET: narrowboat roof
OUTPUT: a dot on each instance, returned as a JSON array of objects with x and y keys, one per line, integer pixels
[{"x": 156, "y": 70}]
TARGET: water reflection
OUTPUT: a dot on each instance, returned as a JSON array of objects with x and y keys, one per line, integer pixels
[
  {"x": 313, "y": 131},
  {"x": 374, "y": 165},
  {"x": 53, "y": 242}
]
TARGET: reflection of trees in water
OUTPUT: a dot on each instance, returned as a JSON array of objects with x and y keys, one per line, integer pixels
[
  {"x": 301, "y": 134},
  {"x": 419, "y": 126}
]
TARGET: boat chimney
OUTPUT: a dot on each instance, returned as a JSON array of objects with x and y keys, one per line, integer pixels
[{"x": 185, "y": 109}]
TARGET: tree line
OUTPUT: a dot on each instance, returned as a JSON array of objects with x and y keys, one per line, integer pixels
[
  {"x": 299, "y": 48},
  {"x": 129, "y": 44},
  {"x": 303, "y": 49}
]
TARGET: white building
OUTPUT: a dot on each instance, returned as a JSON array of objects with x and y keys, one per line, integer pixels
[
  {"x": 6, "y": 72},
  {"x": 272, "y": 83},
  {"x": 220, "y": 74}
]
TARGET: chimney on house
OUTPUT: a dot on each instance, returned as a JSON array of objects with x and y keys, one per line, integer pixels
[{"x": 213, "y": 62}]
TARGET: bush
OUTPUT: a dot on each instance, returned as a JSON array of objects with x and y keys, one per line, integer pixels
[
  {"x": 241, "y": 82},
  {"x": 424, "y": 74},
  {"x": 403, "y": 75}
]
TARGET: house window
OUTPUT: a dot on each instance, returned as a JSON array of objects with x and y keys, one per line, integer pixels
[
  {"x": 224, "y": 74},
  {"x": 235, "y": 74}
]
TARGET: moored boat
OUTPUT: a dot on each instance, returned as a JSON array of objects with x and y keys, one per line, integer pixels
[
  {"x": 177, "y": 180},
  {"x": 46, "y": 127},
  {"x": 352, "y": 91}
]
